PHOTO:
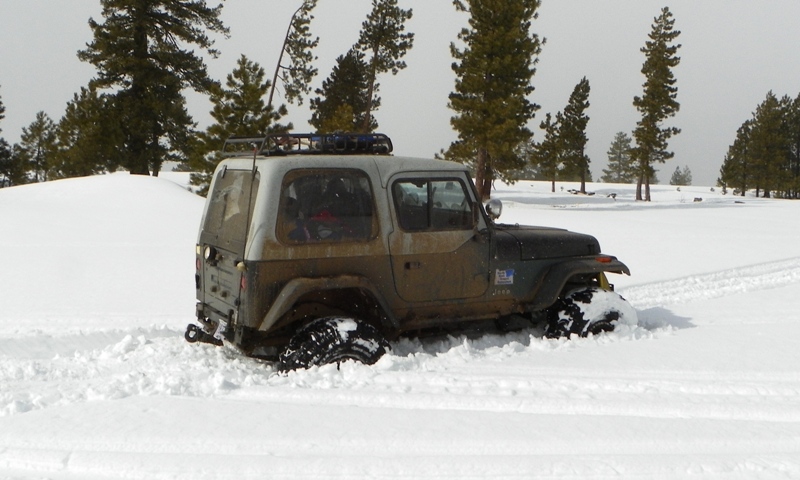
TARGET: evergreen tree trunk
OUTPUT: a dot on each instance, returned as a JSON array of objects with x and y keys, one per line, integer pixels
[
  {"x": 483, "y": 177},
  {"x": 647, "y": 188},
  {"x": 583, "y": 173},
  {"x": 138, "y": 163},
  {"x": 639, "y": 188}
]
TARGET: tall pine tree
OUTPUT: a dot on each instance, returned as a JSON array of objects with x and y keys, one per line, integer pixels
[
  {"x": 573, "y": 134},
  {"x": 735, "y": 170},
  {"x": 143, "y": 51},
  {"x": 547, "y": 154},
  {"x": 793, "y": 152},
  {"x": 297, "y": 71},
  {"x": 768, "y": 144},
  {"x": 493, "y": 82},
  {"x": 384, "y": 41},
  {"x": 658, "y": 101}
]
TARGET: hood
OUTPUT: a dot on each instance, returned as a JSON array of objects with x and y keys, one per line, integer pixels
[{"x": 536, "y": 243}]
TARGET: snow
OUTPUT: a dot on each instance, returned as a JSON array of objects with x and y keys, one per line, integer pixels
[{"x": 97, "y": 382}]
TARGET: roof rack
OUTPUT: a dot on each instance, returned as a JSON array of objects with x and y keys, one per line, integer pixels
[{"x": 309, "y": 144}]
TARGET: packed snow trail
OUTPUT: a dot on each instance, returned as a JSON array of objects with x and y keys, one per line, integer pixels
[{"x": 714, "y": 285}]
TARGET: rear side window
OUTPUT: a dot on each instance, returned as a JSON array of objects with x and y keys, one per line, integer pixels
[
  {"x": 330, "y": 205},
  {"x": 228, "y": 202},
  {"x": 432, "y": 204}
]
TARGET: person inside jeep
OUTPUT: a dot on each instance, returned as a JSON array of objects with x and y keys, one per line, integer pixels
[{"x": 342, "y": 211}]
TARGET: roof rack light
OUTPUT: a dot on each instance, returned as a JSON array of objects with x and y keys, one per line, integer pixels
[{"x": 309, "y": 144}]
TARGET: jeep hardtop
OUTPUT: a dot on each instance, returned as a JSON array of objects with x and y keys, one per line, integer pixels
[{"x": 317, "y": 248}]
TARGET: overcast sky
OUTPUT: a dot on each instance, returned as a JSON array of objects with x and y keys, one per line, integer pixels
[{"x": 733, "y": 52}]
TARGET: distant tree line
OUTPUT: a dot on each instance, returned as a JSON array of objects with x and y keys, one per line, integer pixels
[
  {"x": 560, "y": 155},
  {"x": 765, "y": 156},
  {"x": 133, "y": 115}
]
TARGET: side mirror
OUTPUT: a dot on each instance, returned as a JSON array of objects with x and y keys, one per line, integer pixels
[{"x": 494, "y": 208}]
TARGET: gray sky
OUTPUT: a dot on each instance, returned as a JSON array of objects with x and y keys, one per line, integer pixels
[{"x": 733, "y": 53}]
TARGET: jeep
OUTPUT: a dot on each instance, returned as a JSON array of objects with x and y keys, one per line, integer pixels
[{"x": 318, "y": 248}]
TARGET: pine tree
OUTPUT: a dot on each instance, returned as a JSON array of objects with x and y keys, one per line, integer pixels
[
  {"x": 658, "y": 101},
  {"x": 736, "y": 168},
  {"x": 298, "y": 72},
  {"x": 687, "y": 175},
  {"x": 342, "y": 101},
  {"x": 38, "y": 145},
  {"x": 88, "y": 144},
  {"x": 793, "y": 153},
  {"x": 6, "y": 165},
  {"x": 547, "y": 154},
  {"x": 12, "y": 171},
  {"x": 238, "y": 109},
  {"x": 2, "y": 112},
  {"x": 143, "y": 51},
  {"x": 620, "y": 167},
  {"x": 768, "y": 145},
  {"x": 573, "y": 135},
  {"x": 493, "y": 82},
  {"x": 681, "y": 177},
  {"x": 382, "y": 37}
]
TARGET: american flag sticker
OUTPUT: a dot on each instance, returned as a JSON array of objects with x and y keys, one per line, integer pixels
[{"x": 504, "y": 277}]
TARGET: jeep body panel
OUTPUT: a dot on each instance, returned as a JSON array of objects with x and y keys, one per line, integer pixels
[{"x": 414, "y": 251}]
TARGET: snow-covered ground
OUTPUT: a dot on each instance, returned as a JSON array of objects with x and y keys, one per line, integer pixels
[{"x": 96, "y": 381}]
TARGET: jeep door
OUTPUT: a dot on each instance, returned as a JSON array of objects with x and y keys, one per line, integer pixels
[
  {"x": 435, "y": 252},
  {"x": 222, "y": 238}
]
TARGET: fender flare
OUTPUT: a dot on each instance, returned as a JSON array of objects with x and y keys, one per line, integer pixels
[
  {"x": 297, "y": 287},
  {"x": 556, "y": 277}
]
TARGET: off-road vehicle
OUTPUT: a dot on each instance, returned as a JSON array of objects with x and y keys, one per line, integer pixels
[{"x": 315, "y": 248}]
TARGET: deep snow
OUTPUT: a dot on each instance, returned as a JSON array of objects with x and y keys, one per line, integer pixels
[{"x": 96, "y": 380}]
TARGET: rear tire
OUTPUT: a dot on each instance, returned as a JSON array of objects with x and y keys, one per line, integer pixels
[
  {"x": 333, "y": 340},
  {"x": 589, "y": 310}
]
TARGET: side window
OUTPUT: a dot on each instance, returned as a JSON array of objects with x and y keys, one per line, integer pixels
[
  {"x": 326, "y": 206},
  {"x": 432, "y": 205}
]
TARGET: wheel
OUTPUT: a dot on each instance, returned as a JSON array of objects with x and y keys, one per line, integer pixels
[
  {"x": 589, "y": 310},
  {"x": 333, "y": 340}
]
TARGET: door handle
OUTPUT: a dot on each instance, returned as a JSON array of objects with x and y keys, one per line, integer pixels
[{"x": 413, "y": 265}]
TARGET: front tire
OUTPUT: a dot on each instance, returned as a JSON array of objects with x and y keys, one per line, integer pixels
[
  {"x": 333, "y": 340},
  {"x": 590, "y": 310}
]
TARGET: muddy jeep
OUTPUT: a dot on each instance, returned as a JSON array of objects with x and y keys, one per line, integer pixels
[{"x": 314, "y": 249}]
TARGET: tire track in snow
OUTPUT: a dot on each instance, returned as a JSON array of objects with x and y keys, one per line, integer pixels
[{"x": 714, "y": 285}]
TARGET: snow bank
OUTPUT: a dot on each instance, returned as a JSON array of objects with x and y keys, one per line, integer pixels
[{"x": 109, "y": 251}]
